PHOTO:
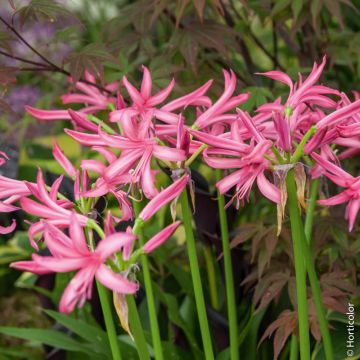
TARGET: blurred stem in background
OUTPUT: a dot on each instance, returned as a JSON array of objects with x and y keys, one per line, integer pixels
[
  {"x": 210, "y": 269},
  {"x": 229, "y": 278},
  {"x": 195, "y": 275},
  {"x": 154, "y": 325}
]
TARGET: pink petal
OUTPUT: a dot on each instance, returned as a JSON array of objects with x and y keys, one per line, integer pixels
[
  {"x": 161, "y": 95},
  {"x": 268, "y": 189},
  {"x": 106, "y": 153},
  {"x": 169, "y": 154},
  {"x": 57, "y": 247},
  {"x": 8, "y": 229},
  {"x": 48, "y": 114},
  {"x": 339, "y": 115},
  {"x": 148, "y": 182},
  {"x": 93, "y": 165},
  {"x": 328, "y": 166},
  {"x": 164, "y": 197},
  {"x": 249, "y": 124},
  {"x": 30, "y": 266},
  {"x": 79, "y": 99},
  {"x": 113, "y": 243},
  {"x": 81, "y": 120},
  {"x": 86, "y": 139},
  {"x": 188, "y": 99},
  {"x": 63, "y": 160},
  {"x": 225, "y": 184},
  {"x": 166, "y": 116},
  {"x": 55, "y": 188},
  {"x": 115, "y": 282},
  {"x": 134, "y": 94},
  {"x": 146, "y": 84},
  {"x": 219, "y": 142},
  {"x": 335, "y": 200},
  {"x": 123, "y": 163},
  {"x": 160, "y": 237},
  {"x": 352, "y": 211},
  {"x": 222, "y": 163},
  {"x": 77, "y": 235},
  {"x": 217, "y": 107},
  {"x": 279, "y": 76},
  {"x": 78, "y": 290},
  {"x": 60, "y": 264}
]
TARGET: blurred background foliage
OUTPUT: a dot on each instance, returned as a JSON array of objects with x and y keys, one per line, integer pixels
[{"x": 191, "y": 40}]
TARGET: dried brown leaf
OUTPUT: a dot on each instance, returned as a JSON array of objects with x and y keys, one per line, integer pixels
[{"x": 122, "y": 311}]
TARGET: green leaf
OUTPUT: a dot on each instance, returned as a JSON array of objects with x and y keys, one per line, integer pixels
[
  {"x": 45, "y": 336},
  {"x": 171, "y": 303},
  {"x": 19, "y": 352},
  {"x": 9, "y": 253},
  {"x": 339, "y": 337},
  {"x": 81, "y": 328}
]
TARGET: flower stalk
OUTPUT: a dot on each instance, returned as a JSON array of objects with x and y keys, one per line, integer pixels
[
  {"x": 314, "y": 282},
  {"x": 195, "y": 275},
  {"x": 298, "y": 237},
  {"x": 154, "y": 325},
  {"x": 109, "y": 321},
  {"x": 229, "y": 278},
  {"x": 137, "y": 329}
]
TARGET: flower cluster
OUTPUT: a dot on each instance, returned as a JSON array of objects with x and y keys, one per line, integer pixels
[{"x": 316, "y": 126}]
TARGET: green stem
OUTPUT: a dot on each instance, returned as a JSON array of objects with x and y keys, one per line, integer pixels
[
  {"x": 229, "y": 279},
  {"x": 136, "y": 329},
  {"x": 109, "y": 322},
  {"x": 300, "y": 148},
  {"x": 154, "y": 325},
  {"x": 294, "y": 348},
  {"x": 100, "y": 122},
  {"x": 311, "y": 203},
  {"x": 314, "y": 282},
  {"x": 298, "y": 236},
  {"x": 196, "y": 153},
  {"x": 195, "y": 275},
  {"x": 210, "y": 269}
]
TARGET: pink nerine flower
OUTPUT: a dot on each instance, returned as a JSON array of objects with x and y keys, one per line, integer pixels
[
  {"x": 302, "y": 92},
  {"x": 92, "y": 99},
  {"x": 145, "y": 104},
  {"x": 47, "y": 207},
  {"x": 352, "y": 193},
  {"x": 133, "y": 165},
  {"x": 71, "y": 253},
  {"x": 10, "y": 192}
]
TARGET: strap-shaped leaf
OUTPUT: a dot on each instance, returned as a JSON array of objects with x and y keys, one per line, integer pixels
[{"x": 48, "y": 337}]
